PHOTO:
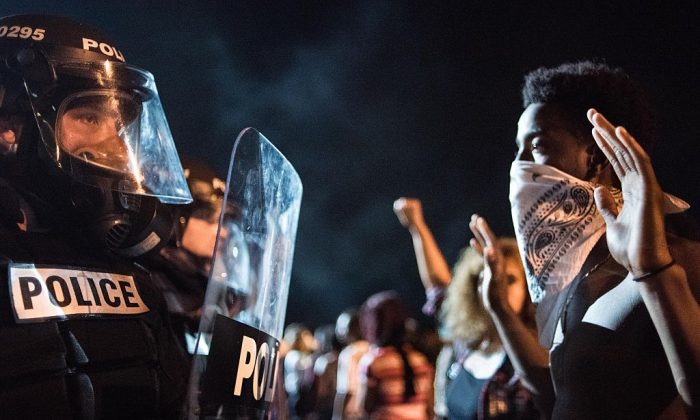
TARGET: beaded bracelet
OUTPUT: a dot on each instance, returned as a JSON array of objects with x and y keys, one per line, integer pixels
[{"x": 655, "y": 272}]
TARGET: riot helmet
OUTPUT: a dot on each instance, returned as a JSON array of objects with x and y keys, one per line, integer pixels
[{"x": 96, "y": 145}]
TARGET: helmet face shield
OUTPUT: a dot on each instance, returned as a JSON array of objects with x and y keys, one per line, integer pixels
[{"x": 105, "y": 120}]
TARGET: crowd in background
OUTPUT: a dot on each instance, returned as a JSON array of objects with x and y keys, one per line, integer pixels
[
  {"x": 375, "y": 363},
  {"x": 369, "y": 358}
]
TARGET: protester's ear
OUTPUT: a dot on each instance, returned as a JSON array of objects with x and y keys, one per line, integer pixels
[{"x": 596, "y": 161}]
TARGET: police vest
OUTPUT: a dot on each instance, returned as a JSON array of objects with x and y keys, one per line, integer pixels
[{"x": 84, "y": 335}]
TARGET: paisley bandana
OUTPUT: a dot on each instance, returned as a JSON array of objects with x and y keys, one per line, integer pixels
[{"x": 557, "y": 224}]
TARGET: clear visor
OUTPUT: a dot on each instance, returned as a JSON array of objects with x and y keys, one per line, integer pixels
[{"x": 113, "y": 124}]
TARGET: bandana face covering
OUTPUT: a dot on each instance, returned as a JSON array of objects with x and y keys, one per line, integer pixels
[{"x": 556, "y": 225}]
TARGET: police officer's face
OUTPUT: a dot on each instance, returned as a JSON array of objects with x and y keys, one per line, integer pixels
[
  {"x": 93, "y": 131},
  {"x": 200, "y": 236}
]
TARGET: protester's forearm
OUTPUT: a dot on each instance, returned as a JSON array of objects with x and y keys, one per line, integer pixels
[
  {"x": 529, "y": 359},
  {"x": 432, "y": 266},
  {"x": 675, "y": 312}
]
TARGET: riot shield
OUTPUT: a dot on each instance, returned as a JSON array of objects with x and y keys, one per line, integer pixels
[{"x": 236, "y": 364}]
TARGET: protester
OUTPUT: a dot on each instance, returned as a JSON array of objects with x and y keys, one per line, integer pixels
[
  {"x": 347, "y": 328},
  {"x": 618, "y": 312},
  {"x": 474, "y": 378},
  {"x": 395, "y": 380},
  {"x": 299, "y": 369},
  {"x": 325, "y": 372}
]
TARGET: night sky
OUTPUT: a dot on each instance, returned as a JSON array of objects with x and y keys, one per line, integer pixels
[{"x": 373, "y": 100}]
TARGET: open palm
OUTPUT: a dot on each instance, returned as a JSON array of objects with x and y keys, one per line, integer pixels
[
  {"x": 636, "y": 235},
  {"x": 494, "y": 286}
]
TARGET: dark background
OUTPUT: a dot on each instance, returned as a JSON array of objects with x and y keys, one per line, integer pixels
[{"x": 372, "y": 100}]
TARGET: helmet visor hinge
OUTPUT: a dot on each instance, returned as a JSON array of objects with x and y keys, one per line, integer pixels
[{"x": 32, "y": 64}]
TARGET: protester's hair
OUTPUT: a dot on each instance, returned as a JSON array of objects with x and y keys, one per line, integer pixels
[
  {"x": 326, "y": 339},
  {"x": 353, "y": 333},
  {"x": 462, "y": 313},
  {"x": 294, "y": 333},
  {"x": 383, "y": 319},
  {"x": 578, "y": 86}
]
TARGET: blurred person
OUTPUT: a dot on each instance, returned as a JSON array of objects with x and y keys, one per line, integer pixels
[
  {"x": 424, "y": 338},
  {"x": 395, "y": 380},
  {"x": 349, "y": 333},
  {"x": 325, "y": 372},
  {"x": 474, "y": 378},
  {"x": 618, "y": 295},
  {"x": 299, "y": 368}
]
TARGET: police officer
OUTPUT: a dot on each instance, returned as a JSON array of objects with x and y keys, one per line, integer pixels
[
  {"x": 181, "y": 268},
  {"x": 87, "y": 172}
]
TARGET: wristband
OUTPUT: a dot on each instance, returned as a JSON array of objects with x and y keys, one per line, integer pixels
[{"x": 655, "y": 272}]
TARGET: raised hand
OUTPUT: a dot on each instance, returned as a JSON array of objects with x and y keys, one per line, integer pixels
[
  {"x": 409, "y": 211},
  {"x": 635, "y": 234},
  {"x": 494, "y": 287}
]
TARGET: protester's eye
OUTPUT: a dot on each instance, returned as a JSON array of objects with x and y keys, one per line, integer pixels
[{"x": 538, "y": 145}]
